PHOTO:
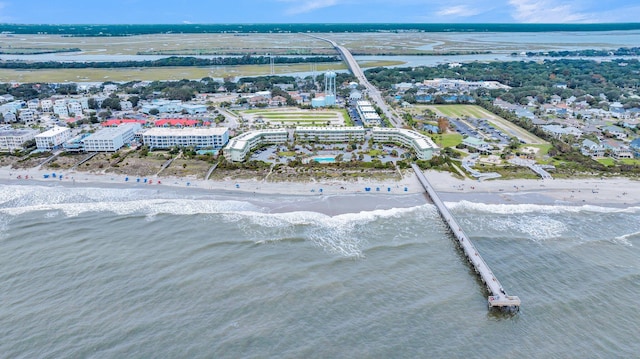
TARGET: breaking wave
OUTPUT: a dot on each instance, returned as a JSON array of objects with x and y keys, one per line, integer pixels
[{"x": 531, "y": 208}]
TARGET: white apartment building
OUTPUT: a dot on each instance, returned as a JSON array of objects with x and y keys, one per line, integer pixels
[
  {"x": 9, "y": 117},
  {"x": 424, "y": 147},
  {"x": 60, "y": 108},
  {"x": 52, "y": 138},
  {"x": 239, "y": 146},
  {"x": 13, "y": 139},
  {"x": 27, "y": 116},
  {"x": 330, "y": 134},
  {"x": 12, "y": 107},
  {"x": 46, "y": 105},
  {"x": 111, "y": 139},
  {"x": 84, "y": 102},
  {"x": 368, "y": 113},
  {"x": 75, "y": 108},
  {"x": 33, "y": 104},
  {"x": 214, "y": 138}
]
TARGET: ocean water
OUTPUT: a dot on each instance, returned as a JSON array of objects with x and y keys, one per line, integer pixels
[{"x": 135, "y": 272}]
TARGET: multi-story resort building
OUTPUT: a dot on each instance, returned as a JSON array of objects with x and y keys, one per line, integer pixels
[
  {"x": 111, "y": 139},
  {"x": 75, "y": 107},
  {"x": 52, "y": 138},
  {"x": 46, "y": 105},
  {"x": 210, "y": 138},
  {"x": 239, "y": 146},
  {"x": 60, "y": 108},
  {"x": 330, "y": 134},
  {"x": 27, "y": 116},
  {"x": 424, "y": 147},
  {"x": 368, "y": 113},
  {"x": 11, "y": 139},
  {"x": 33, "y": 105}
]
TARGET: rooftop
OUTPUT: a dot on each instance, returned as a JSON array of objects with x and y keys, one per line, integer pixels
[{"x": 211, "y": 131}]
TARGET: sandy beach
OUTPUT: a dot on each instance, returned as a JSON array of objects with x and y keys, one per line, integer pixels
[
  {"x": 580, "y": 191},
  {"x": 596, "y": 191}
]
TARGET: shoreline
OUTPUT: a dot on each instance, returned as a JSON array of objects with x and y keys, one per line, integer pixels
[{"x": 344, "y": 196}]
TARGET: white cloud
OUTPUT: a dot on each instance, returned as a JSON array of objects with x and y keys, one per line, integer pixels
[
  {"x": 458, "y": 11},
  {"x": 304, "y": 6},
  {"x": 548, "y": 11}
]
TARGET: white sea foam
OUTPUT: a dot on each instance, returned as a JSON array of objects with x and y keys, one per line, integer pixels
[
  {"x": 341, "y": 234},
  {"x": 530, "y": 208},
  {"x": 537, "y": 227},
  {"x": 624, "y": 239},
  {"x": 148, "y": 207}
]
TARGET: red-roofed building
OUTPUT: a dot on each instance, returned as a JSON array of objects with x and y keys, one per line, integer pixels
[
  {"x": 177, "y": 122},
  {"x": 115, "y": 122}
]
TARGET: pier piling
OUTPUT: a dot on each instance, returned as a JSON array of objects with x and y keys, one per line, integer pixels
[{"x": 499, "y": 297}]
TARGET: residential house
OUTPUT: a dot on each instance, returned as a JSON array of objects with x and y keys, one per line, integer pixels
[
  {"x": 592, "y": 149},
  {"x": 559, "y": 131},
  {"x": 617, "y": 149},
  {"x": 617, "y": 132}
]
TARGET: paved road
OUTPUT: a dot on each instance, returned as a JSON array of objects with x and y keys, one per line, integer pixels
[
  {"x": 373, "y": 92},
  {"x": 230, "y": 117}
]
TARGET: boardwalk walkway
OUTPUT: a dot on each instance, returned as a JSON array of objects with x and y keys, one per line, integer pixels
[{"x": 498, "y": 297}]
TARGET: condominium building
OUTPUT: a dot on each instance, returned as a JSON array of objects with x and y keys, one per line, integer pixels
[
  {"x": 52, "y": 138},
  {"x": 368, "y": 113},
  {"x": 33, "y": 104},
  {"x": 214, "y": 138},
  {"x": 27, "y": 116},
  {"x": 111, "y": 139},
  {"x": 75, "y": 107},
  {"x": 330, "y": 134},
  {"x": 11, "y": 139},
  {"x": 60, "y": 108},
  {"x": 424, "y": 147},
  {"x": 240, "y": 145},
  {"x": 46, "y": 105}
]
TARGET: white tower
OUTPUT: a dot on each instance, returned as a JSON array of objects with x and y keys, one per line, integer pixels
[{"x": 330, "y": 88}]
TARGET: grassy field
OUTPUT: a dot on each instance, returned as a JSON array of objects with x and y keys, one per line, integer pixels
[
  {"x": 608, "y": 161},
  {"x": 259, "y": 44},
  {"x": 293, "y": 116},
  {"x": 473, "y": 111},
  {"x": 447, "y": 139}
]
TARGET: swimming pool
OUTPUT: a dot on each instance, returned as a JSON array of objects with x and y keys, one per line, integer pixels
[{"x": 324, "y": 159}]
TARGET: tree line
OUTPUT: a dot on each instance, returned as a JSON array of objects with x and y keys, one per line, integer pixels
[
  {"x": 173, "y": 61},
  {"x": 565, "y": 77},
  {"x": 623, "y": 51}
]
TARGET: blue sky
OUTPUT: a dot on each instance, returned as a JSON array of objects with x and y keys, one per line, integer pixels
[{"x": 316, "y": 11}]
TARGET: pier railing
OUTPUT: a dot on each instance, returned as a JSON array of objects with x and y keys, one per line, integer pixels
[{"x": 498, "y": 297}]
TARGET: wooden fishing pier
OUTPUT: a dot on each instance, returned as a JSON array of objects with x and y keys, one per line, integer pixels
[{"x": 499, "y": 297}]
